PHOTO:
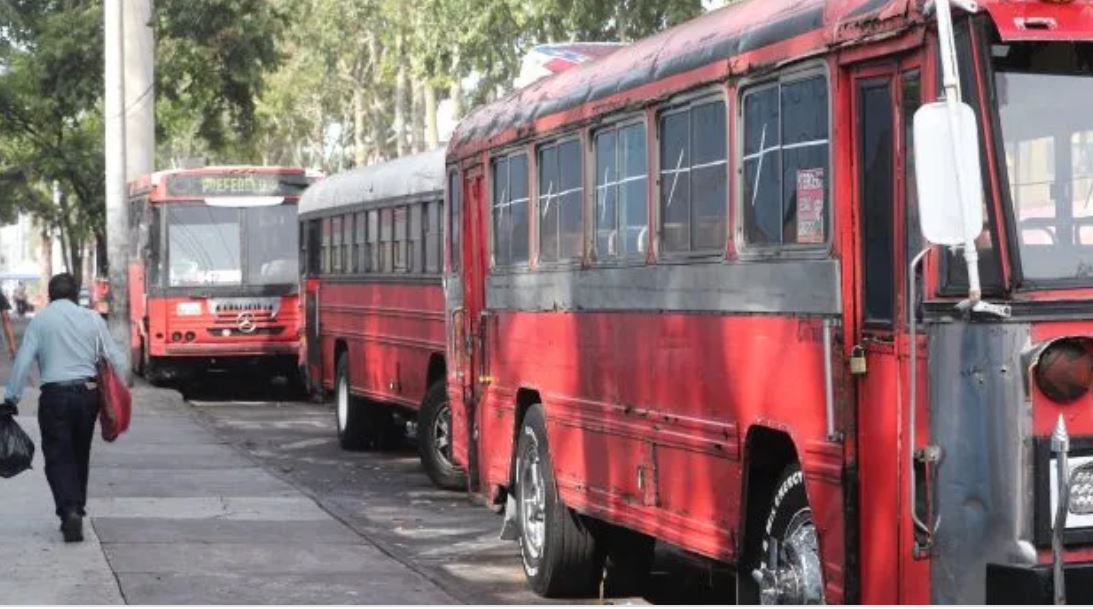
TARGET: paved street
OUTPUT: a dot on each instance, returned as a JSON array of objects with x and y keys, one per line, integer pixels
[{"x": 236, "y": 497}]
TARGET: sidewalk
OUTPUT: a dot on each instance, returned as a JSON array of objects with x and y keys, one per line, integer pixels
[{"x": 177, "y": 517}]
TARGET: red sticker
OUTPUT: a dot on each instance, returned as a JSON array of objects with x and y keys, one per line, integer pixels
[{"x": 810, "y": 206}]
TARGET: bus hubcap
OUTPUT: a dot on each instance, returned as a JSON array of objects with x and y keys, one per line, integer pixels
[
  {"x": 791, "y": 574},
  {"x": 532, "y": 501},
  {"x": 442, "y": 434}
]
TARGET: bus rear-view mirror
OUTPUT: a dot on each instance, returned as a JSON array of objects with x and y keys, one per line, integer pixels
[{"x": 950, "y": 186}]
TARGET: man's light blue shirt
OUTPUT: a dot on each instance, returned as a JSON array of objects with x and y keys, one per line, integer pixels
[{"x": 65, "y": 340}]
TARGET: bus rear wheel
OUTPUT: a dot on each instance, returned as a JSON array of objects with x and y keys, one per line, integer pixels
[
  {"x": 434, "y": 439},
  {"x": 349, "y": 410},
  {"x": 557, "y": 545},
  {"x": 362, "y": 425},
  {"x": 790, "y": 571}
]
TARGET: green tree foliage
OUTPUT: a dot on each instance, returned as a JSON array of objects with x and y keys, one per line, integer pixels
[
  {"x": 50, "y": 116},
  {"x": 360, "y": 73},
  {"x": 212, "y": 58}
]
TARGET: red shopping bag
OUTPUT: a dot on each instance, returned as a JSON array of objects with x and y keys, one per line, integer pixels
[{"x": 115, "y": 401}]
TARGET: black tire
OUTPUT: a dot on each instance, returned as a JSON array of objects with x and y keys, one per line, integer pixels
[
  {"x": 628, "y": 562},
  {"x": 789, "y": 511},
  {"x": 434, "y": 439},
  {"x": 348, "y": 410},
  {"x": 560, "y": 556}
]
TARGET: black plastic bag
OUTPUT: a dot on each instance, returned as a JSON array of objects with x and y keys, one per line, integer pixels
[{"x": 16, "y": 448}]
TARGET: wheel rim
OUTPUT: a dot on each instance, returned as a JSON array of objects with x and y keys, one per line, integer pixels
[
  {"x": 343, "y": 403},
  {"x": 532, "y": 495},
  {"x": 442, "y": 434},
  {"x": 797, "y": 578}
]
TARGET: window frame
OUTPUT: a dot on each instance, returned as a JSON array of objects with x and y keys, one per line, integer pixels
[
  {"x": 557, "y": 142},
  {"x": 451, "y": 252},
  {"x": 507, "y": 154},
  {"x": 685, "y": 102},
  {"x": 744, "y": 249},
  {"x": 652, "y": 190}
]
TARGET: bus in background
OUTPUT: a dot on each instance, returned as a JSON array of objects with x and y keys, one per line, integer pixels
[
  {"x": 213, "y": 277},
  {"x": 682, "y": 305},
  {"x": 374, "y": 307}
]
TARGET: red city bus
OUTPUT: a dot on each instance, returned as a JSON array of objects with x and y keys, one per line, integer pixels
[
  {"x": 213, "y": 270},
  {"x": 679, "y": 307},
  {"x": 374, "y": 307}
]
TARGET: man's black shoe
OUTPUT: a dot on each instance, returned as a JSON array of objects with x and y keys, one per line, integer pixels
[{"x": 72, "y": 527}]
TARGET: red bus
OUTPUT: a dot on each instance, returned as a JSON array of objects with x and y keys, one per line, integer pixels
[
  {"x": 679, "y": 307},
  {"x": 213, "y": 277},
  {"x": 374, "y": 306}
]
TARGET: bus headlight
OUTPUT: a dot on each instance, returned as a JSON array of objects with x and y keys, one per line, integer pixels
[{"x": 1081, "y": 490}]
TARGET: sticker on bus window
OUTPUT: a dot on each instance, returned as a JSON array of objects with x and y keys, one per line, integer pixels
[{"x": 810, "y": 206}]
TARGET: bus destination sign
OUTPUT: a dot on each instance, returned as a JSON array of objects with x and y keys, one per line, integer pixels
[{"x": 237, "y": 185}]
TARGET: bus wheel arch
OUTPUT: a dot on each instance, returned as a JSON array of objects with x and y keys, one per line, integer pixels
[{"x": 772, "y": 485}]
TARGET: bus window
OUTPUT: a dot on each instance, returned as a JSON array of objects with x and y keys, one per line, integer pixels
[
  {"x": 560, "y": 193},
  {"x": 416, "y": 257},
  {"x": 386, "y": 231},
  {"x": 786, "y": 149},
  {"x": 510, "y": 210},
  {"x": 694, "y": 181},
  {"x": 268, "y": 230},
  {"x": 336, "y": 245},
  {"x": 348, "y": 262},
  {"x": 621, "y": 192},
  {"x": 360, "y": 252},
  {"x": 326, "y": 246},
  {"x": 400, "y": 239},
  {"x": 455, "y": 195},
  {"x": 375, "y": 259},
  {"x": 314, "y": 247},
  {"x": 203, "y": 246},
  {"x": 432, "y": 236}
]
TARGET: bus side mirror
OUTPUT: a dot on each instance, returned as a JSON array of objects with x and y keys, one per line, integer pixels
[{"x": 946, "y": 165}]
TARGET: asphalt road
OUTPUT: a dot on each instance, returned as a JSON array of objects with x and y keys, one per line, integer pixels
[{"x": 387, "y": 498}]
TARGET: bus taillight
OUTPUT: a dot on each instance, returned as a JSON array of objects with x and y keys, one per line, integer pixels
[{"x": 1065, "y": 370}]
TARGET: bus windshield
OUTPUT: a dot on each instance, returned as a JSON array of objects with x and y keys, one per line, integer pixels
[
  {"x": 222, "y": 246},
  {"x": 271, "y": 241},
  {"x": 1044, "y": 91}
]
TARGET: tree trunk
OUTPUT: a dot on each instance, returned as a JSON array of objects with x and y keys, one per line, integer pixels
[
  {"x": 432, "y": 133},
  {"x": 360, "y": 146},
  {"x": 455, "y": 92},
  {"x": 45, "y": 260},
  {"x": 402, "y": 106},
  {"x": 417, "y": 122}
]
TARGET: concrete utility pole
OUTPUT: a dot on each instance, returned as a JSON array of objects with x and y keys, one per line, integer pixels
[
  {"x": 140, "y": 95},
  {"x": 117, "y": 217}
]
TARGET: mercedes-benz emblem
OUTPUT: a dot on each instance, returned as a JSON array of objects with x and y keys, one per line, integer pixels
[{"x": 245, "y": 322}]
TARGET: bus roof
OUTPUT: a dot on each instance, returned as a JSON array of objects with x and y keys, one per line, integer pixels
[
  {"x": 409, "y": 177},
  {"x": 740, "y": 39}
]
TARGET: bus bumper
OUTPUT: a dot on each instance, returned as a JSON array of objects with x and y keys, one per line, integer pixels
[{"x": 1032, "y": 585}]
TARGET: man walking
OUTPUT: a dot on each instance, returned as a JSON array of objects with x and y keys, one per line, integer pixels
[
  {"x": 5, "y": 320},
  {"x": 66, "y": 340}
]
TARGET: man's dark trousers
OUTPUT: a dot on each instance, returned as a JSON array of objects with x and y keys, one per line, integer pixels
[{"x": 66, "y": 416}]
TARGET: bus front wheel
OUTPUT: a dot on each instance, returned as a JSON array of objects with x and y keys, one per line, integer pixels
[
  {"x": 790, "y": 571},
  {"x": 350, "y": 412},
  {"x": 557, "y": 545}
]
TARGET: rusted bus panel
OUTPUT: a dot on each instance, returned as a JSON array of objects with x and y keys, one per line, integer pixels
[
  {"x": 671, "y": 393},
  {"x": 391, "y": 330},
  {"x": 980, "y": 419},
  {"x": 1017, "y": 21},
  {"x": 808, "y": 287}
]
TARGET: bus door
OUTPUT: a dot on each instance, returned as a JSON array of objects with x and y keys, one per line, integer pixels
[
  {"x": 883, "y": 100},
  {"x": 475, "y": 265}
]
